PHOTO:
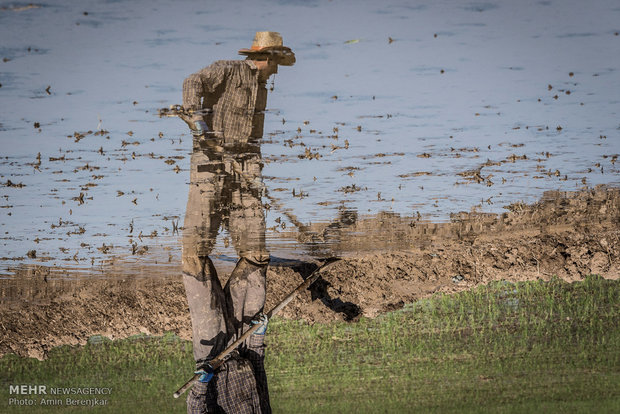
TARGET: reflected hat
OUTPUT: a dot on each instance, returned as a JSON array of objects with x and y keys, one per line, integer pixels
[{"x": 269, "y": 45}]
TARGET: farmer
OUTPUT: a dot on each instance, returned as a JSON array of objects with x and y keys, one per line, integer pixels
[{"x": 224, "y": 108}]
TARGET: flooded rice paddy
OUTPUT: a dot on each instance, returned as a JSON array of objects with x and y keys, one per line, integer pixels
[{"x": 415, "y": 109}]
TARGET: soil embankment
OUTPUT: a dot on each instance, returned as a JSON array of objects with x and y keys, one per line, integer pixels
[{"x": 569, "y": 235}]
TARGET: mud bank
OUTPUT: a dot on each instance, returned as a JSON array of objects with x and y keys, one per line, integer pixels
[{"x": 569, "y": 235}]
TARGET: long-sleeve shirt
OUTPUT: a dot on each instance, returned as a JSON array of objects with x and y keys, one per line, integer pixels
[
  {"x": 234, "y": 98},
  {"x": 239, "y": 385}
]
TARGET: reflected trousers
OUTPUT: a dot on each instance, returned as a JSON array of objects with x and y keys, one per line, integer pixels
[{"x": 222, "y": 192}]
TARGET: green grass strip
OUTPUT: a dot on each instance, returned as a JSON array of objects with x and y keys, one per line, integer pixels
[{"x": 550, "y": 347}]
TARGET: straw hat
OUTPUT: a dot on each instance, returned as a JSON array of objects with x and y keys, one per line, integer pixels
[{"x": 269, "y": 45}]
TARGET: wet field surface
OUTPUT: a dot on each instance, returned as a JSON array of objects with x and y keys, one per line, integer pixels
[
  {"x": 569, "y": 236},
  {"x": 416, "y": 111}
]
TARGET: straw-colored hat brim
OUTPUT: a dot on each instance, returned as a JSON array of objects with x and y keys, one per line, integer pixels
[{"x": 282, "y": 55}]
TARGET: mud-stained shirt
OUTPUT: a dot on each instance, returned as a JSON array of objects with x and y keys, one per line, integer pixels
[
  {"x": 233, "y": 97},
  {"x": 239, "y": 386}
]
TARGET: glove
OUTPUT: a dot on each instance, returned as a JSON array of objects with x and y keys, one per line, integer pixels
[
  {"x": 206, "y": 373},
  {"x": 260, "y": 319},
  {"x": 200, "y": 128}
]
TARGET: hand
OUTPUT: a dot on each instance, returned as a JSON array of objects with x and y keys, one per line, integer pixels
[
  {"x": 196, "y": 123},
  {"x": 206, "y": 373},
  {"x": 185, "y": 117},
  {"x": 260, "y": 319}
]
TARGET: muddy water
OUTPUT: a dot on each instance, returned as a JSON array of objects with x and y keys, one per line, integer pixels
[{"x": 392, "y": 108}]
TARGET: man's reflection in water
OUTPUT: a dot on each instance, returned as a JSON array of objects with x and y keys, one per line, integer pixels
[
  {"x": 225, "y": 190},
  {"x": 226, "y": 103}
]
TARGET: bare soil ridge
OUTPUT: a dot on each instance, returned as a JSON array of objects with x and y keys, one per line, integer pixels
[{"x": 569, "y": 235}]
